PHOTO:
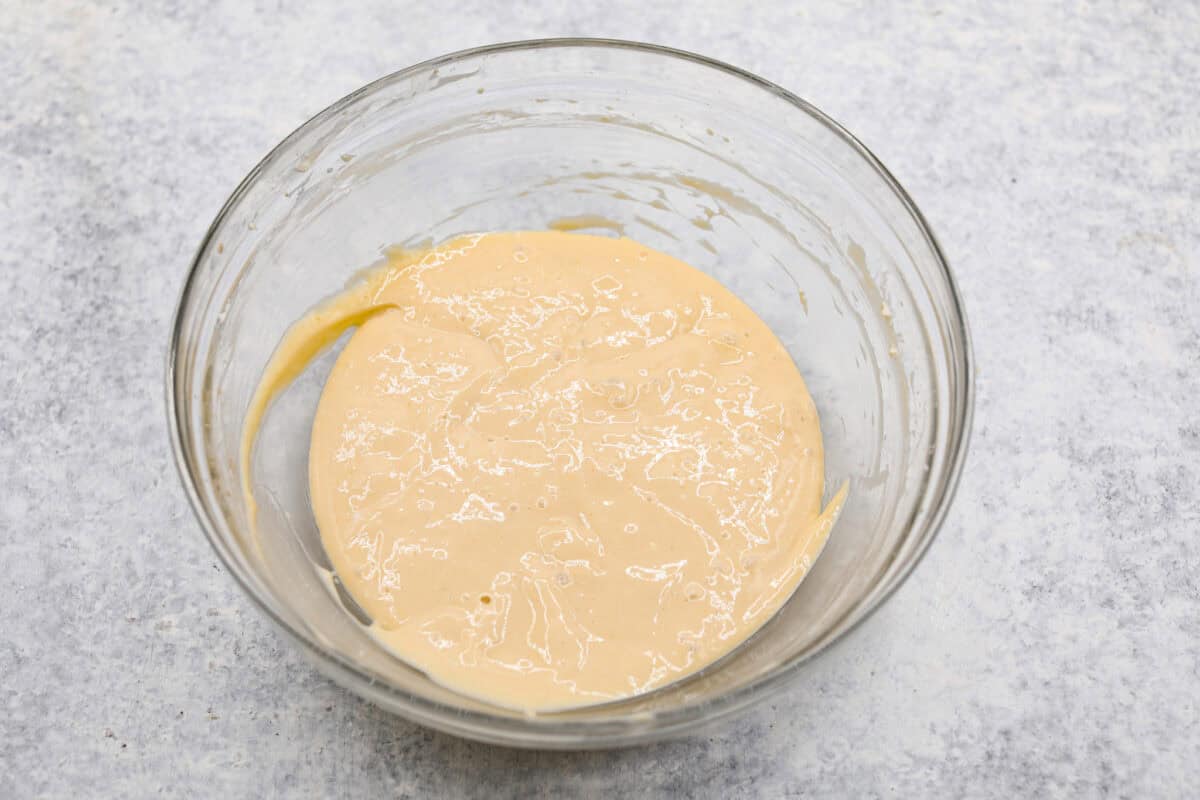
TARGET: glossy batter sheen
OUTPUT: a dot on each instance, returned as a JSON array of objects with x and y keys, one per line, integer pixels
[{"x": 559, "y": 469}]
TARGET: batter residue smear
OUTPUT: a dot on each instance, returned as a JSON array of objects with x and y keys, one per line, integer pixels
[{"x": 559, "y": 469}]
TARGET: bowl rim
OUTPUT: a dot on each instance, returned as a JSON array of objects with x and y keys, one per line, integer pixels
[{"x": 546, "y": 731}]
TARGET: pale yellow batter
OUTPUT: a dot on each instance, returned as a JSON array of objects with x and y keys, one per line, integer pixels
[{"x": 558, "y": 469}]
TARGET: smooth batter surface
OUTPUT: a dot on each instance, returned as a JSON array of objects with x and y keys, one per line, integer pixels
[{"x": 558, "y": 469}]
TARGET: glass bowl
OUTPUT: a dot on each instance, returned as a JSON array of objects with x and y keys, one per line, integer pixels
[{"x": 690, "y": 156}]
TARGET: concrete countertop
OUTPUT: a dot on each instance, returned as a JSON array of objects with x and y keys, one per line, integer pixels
[{"x": 1049, "y": 645}]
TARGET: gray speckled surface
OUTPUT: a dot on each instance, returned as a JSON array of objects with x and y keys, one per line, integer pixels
[{"x": 1048, "y": 645}]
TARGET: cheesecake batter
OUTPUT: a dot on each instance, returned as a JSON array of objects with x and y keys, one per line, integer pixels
[{"x": 558, "y": 469}]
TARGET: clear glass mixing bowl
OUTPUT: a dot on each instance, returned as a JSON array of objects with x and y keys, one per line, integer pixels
[{"x": 690, "y": 156}]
